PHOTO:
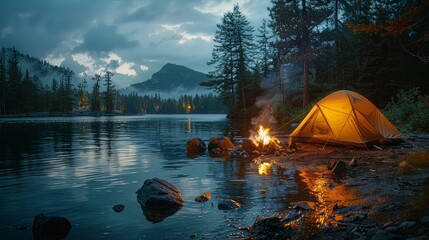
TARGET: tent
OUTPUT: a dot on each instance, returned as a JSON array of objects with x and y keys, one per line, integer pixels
[{"x": 345, "y": 118}]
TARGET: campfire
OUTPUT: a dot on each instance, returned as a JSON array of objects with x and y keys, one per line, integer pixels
[
  {"x": 262, "y": 138},
  {"x": 261, "y": 142}
]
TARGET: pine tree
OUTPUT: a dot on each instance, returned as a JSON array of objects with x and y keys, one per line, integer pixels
[
  {"x": 68, "y": 91},
  {"x": 3, "y": 82},
  {"x": 95, "y": 103},
  {"x": 109, "y": 94},
  {"x": 14, "y": 73},
  {"x": 296, "y": 26},
  {"x": 231, "y": 57},
  {"x": 265, "y": 52}
]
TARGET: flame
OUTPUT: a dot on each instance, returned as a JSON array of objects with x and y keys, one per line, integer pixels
[
  {"x": 264, "y": 168},
  {"x": 263, "y": 138}
]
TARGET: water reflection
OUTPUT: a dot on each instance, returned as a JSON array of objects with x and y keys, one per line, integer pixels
[{"x": 81, "y": 167}]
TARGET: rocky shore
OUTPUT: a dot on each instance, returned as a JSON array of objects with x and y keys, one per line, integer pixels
[{"x": 371, "y": 194}]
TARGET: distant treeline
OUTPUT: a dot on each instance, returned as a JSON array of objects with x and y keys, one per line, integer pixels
[
  {"x": 25, "y": 94},
  {"x": 205, "y": 103}
]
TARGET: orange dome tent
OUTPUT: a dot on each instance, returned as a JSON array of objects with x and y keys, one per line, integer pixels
[{"x": 346, "y": 118}]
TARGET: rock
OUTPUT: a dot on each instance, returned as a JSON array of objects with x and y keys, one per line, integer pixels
[
  {"x": 248, "y": 145},
  {"x": 378, "y": 234},
  {"x": 353, "y": 163},
  {"x": 306, "y": 205},
  {"x": 388, "y": 224},
  {"x": 269, "y": 228},
  {"x": 50, "y": 227},
  {"x": 118, "y": 208},
  {"x": 193, "y": 235},
  {"x": 393, "y": 229},
  {"x": 203, "y": 198},
  {"x": 228, "y": 204},
  {"x": 195, "y": 146},
  {"x": 425, "y": 220},
  {"x": 339, "y": 167},
  {"x": 159, "y": 199},
  {"x": 407, "y": 224},
  {"x": 359, "y": 218},
  {"x": 277, "y": 153},
  {"x": 223, "y": 143}
]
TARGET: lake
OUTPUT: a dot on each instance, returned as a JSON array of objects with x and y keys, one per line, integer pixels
[{"x": 80, "y": 167}]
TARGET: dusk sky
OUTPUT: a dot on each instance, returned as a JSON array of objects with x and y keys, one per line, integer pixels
[{"x": 134, "y": 39}]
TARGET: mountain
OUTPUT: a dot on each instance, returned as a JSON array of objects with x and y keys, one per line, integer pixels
[
  {"x": 172, "y": 77},
  {"x": 44, "y": 71}
]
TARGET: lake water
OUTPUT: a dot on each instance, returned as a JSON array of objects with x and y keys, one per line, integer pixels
[{"x": 80, "y": 167}]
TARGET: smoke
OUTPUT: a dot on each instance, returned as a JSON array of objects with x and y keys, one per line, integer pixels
[{"x": 277, "y": 89}]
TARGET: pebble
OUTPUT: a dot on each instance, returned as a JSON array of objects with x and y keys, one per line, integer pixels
[
  {"x": 425, "y": 220},
  {"x": 407, "y": 224},
  {"x": 393, "y": 229},
  {"x": 388, "y": 224}
]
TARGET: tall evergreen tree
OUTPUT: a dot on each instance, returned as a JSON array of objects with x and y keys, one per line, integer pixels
[
  {"x": 109, "y": 94},
  {"x": 96, "y": 102},
  {"x": 296, "y": 25},
  {"x": 14, "y": 73},
  {"x": 68, "y": 91},
  {"x": 232, "y": 57},
  {"x": 3, "y": 82},
  {"x": 265, "y": 52}
]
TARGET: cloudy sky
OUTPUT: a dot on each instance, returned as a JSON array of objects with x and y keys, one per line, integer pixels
[{"x": 132, "y": 38}]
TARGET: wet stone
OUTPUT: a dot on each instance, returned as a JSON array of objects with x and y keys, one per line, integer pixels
[
  {"x": 50, "y": 227},
  {"x": 306, "y": 205},
  {"x": 204, "y": 197},
  {"x": 388, "y": 224},
  {"x": 118, "y": 208},
  {"x": 425, "y": 220},
  {"x": 359, "y": 218},
  {"x": 228, "y": 204},
  {"x": 393, "y": 229},
  {"x": 407, "y": 224}
]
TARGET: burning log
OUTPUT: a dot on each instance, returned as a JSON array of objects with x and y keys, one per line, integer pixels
[{"x": 264, "y": 143}]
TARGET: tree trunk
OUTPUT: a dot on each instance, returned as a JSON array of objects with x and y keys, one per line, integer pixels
[{"x": 306, "y": 97}]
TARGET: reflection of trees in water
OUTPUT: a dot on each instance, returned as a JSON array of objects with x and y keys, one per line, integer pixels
[{"x": 17, "y": 142}]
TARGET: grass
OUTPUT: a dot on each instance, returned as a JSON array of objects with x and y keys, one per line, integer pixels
[
  {"x": 419, "y": 159},
  {"x": 415, "y": 161}
]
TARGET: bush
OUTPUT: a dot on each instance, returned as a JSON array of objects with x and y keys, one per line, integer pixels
[{"x": 409, "y": 111}]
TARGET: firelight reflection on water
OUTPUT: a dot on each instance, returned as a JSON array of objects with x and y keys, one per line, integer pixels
[{"x": 80, "y": 167}]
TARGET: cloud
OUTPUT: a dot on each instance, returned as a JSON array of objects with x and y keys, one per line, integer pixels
[
  {"x": 96, "y": 65},
  {"x": 105, "y": 38},
  {"x": 218, "y": 8},
  {"x": 56, "y": 61},
  {"x": 144, "y": 68},
  {"x": 126, "y": 69},
  {"x": 183, "y": 36}
]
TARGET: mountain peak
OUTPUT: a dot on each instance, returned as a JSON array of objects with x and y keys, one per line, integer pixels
[{"x": 170, "y": 77}]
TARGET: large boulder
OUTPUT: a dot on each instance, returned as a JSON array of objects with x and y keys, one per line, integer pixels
[
  {"x": 220, "y": 143},
  {"x": 195, "y": 146},
  {"x": 159, "y": 199},
  {"x": 248, "y": 146},
  {"x": 50, "y": 227}
]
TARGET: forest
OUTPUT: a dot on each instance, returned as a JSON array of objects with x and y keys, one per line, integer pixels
[
  {"x": 23, "y": 93},
  {"x": 378, "y": 48}
]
